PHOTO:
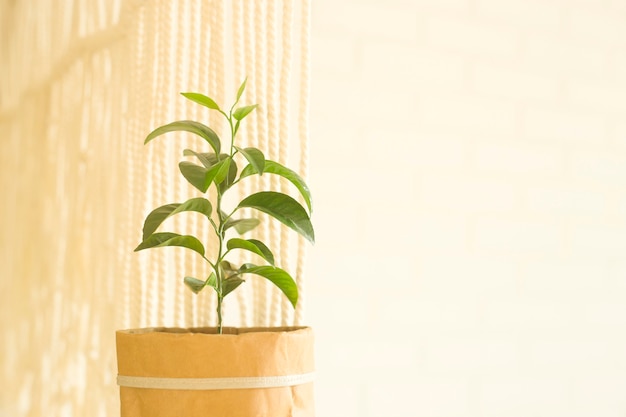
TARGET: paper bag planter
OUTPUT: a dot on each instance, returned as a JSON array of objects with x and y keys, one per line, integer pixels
[
  {"x": 222, "y": 372},
  {"x": 247, "y": 372}
]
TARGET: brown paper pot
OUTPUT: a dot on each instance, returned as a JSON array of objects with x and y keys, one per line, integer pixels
[{"x": 182, "y": 368}]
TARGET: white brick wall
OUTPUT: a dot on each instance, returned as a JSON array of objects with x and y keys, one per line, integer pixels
[{"x": 469, "y": 169}]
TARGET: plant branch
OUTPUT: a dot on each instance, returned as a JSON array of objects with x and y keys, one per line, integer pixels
[{"x": 219, "y": 229}]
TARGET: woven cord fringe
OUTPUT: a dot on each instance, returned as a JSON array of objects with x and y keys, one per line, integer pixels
[{"x": 74, "y": 110}]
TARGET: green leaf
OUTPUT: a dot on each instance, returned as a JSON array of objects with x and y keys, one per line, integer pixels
[
  {"x": 227, "y": 267},
  {"x": 204, "y": 158},
  {"x": 194, "y": 284},
  {"x": 222, "y": 173},
  {"x": 242, "y": 225},
  {"x": 210, "y": 159},
  {"x": 211, "y": 281},
  {"x": 192, "y": 126},
  {"x": 242, "y": 87},
  {"x": 242, "y": 112},
  {"x": 202, "y": 99},
  {"x": 158, "y": 215},
  {"x": 217, "y": 173},
  {"x": 252, "y": 245},
  {"x": 230, "y": 284},
  {"x": 278, "y": 277},
  {"x": 255, "y": 157},
  {"x": 246, "y": 266},
  {"x": 284, "y": 209},
  {"x": 278, "y": 169},
  {"x": 195, "y": 174},
  {"x": 231, "y": 177},
  {"x": 159, "y": 240}
]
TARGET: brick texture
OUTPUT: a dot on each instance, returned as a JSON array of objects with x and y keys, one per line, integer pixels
[{"x": 468, "y": 162}]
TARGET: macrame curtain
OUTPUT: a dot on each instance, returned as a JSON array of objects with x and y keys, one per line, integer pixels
[{"x": 81, "y": 85}]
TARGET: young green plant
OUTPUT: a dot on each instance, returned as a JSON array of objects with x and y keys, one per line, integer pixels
[{"x": 216, "y": 174}]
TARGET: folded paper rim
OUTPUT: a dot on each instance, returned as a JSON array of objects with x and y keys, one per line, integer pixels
[
  {"x": 200, "y": 353},
  {"x": 212, "y": 331}
]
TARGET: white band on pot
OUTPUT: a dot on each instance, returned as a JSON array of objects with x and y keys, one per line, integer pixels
[{"x": 214, "y": 383}]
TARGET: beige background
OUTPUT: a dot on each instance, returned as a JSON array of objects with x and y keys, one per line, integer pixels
[{"x": 469, "y": 164}]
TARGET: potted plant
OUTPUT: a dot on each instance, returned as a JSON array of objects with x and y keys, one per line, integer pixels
[{"x": 222, "y": 371}]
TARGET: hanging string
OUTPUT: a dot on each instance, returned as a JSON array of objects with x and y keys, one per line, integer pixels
[
  {"x": 205, "y": 304},
  {"x": 200, "y": 54},
  {"x": 178, "y": 13},
  {"x": 145, "y": 82},
  {"x": 272, "y": 117},
  {"x": 170, "y": 155},
  {"x": 220, "y": 71},
  {"x": 187, "y": 80},
  {"x": 263, "y": 142},
  {"x": 207, "y": 72},
  {"x": 213, "y": 14},
  {"x": 243, "y": 293},
  {"x": 284, "y": 138},
  {"x": 303, "y": 133},
  {"x": 252, "y": 129},
  {"x": 129, "y": 147}
]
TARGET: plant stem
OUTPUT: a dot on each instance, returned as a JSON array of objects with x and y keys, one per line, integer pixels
[
  {"x": 219, "y": 278},
  {"x": 220, "y": 298},
  {"x": 232, "y": 136},
  {"x": 218, "y": 269}
]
